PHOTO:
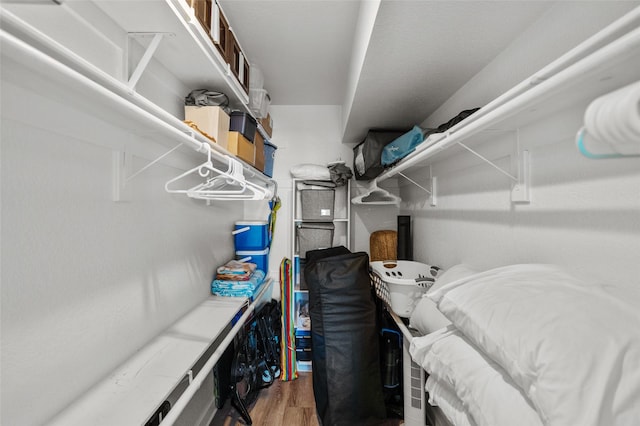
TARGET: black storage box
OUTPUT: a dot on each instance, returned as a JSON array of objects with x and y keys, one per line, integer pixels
[
  {"x": 244, "y": 123},
  {"x": 367, "y": 154}
]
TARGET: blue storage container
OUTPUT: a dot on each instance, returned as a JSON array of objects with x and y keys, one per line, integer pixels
[
  {"x": 269, "y": 157},
  {"x": 251, "y": 235},
  {"x": 259, "y": 257}
]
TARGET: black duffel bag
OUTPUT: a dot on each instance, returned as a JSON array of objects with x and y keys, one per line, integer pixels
[{"x": 367, "y": 154}]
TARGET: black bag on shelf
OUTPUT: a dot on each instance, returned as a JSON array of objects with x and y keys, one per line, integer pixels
[
  {"x": 367, "y": 154},
  {"x": 455, "y": 120}
]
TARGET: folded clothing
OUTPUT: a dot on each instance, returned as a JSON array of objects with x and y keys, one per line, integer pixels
[
  {"x": 235, "y": 270},
  {"x": 247, "y": 288}
]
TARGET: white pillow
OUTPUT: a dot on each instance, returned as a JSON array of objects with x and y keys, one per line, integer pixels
[
  {"x": 310, "y": 172},
  {"x": 441, "y": 395},
  {"x": 426, "y": 318},
  {"x": 484, "y": 389},
  {"x": 573, "y": 347},
  {"x": 452, "y": 274}
]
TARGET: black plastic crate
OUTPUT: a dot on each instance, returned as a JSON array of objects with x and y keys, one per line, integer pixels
[{"x": 244, "y": 123}]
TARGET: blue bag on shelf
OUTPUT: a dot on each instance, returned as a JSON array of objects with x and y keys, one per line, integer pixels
[{"x": 402, "y": 146}]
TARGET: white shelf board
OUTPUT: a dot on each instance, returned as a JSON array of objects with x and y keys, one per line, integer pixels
[
  {"x": 603, "y": 71},
  {"x": 338, "y": 219},
  {"x": 87, "y": 93},
  {"x": 189, "y": 53},
  {"x": 132, "y": 392}
]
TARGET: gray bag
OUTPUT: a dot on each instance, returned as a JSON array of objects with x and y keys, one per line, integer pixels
[{"x": 204, "y": 97}]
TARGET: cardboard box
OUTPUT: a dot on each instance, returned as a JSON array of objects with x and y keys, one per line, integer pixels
[
  {"x": 210, "y": 119},
  {"x": 241, "y": 147},
  {"x": 259, "y": 143},
  {"x": 267, "y": 124},
  {"x": 202, "y": 10}
]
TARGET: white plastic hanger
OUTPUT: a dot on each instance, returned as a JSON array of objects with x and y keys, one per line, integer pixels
[
  {"x": 376, "y": 196},
  {"x": 220, "y": 185}
]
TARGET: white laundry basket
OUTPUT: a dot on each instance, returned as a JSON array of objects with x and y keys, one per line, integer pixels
[{"x": 401, "y": 283}]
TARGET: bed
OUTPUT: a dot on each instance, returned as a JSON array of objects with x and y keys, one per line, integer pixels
[{"x": 524, "y": 345}]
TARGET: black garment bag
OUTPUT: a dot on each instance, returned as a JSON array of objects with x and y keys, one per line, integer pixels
[{"x": 346, "y": 364}]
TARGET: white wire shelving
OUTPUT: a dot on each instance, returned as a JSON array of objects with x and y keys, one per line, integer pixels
[
  {"x": 117, "y": 101},
  {"x": 608, "y": 60}
]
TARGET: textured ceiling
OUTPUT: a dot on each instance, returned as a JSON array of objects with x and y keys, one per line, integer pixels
[{"x": 419, "y": 54}]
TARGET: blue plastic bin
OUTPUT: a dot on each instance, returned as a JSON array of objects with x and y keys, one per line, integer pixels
[
  {"x": 269, "y": 157},
  {"x": 259, "y": 257},
  {"x": 251, "y": 235}
]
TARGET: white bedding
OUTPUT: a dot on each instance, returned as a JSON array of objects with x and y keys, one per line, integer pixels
[
  {"x": 426, "y": 318},
  {"x": 484, "y": 389},
  {"x": 572, "y": 347},
  {"x": 441, "y": 395}
]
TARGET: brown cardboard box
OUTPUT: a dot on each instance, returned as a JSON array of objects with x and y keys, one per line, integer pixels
[
  {"x": 210, "y": 119},
  {"x": 241, "y": 147},
  {"x": 267, "y": 125},
  {"x": 259, "y": 143},
  {"x": 202, "y": 10}
]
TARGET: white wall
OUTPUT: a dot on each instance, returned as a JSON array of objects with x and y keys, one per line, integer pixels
[
  {"x": 87, "y": 281},
  {"x": 584, "y": 214},
  {"x": 303, "y": 135}
]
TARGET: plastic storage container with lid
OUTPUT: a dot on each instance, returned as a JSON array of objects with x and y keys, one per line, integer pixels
[
  {"x": 251, "y": 235},
  {"x": 269, "y": 157},
  {"x": 259, "y": 257},
  {"x": 244, "y": 123}
]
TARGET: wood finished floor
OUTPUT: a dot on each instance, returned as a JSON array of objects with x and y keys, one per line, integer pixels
[{"x": 281, "y": 404}]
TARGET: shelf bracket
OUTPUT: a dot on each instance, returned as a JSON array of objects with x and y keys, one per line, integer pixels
[
  {"x": 146, "y": 57},
  {"x": 122, "y": 162},
  {"x": 489, "y": 162},
  {"x": 432, "y": 192},
  {"x": 520, "y": 191},
  {"x": 122, "y": 172}
]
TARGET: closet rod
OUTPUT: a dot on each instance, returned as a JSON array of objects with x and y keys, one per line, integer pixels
[
  {"x": 97, "y": 79},
  {"x": 616, "y": 29},
  {"x": 21, "y": 48},
  {"x": 625, "y": 46}
]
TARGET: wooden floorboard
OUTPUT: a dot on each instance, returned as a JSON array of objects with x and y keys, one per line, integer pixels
[{"x": 282, "y": 404}]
